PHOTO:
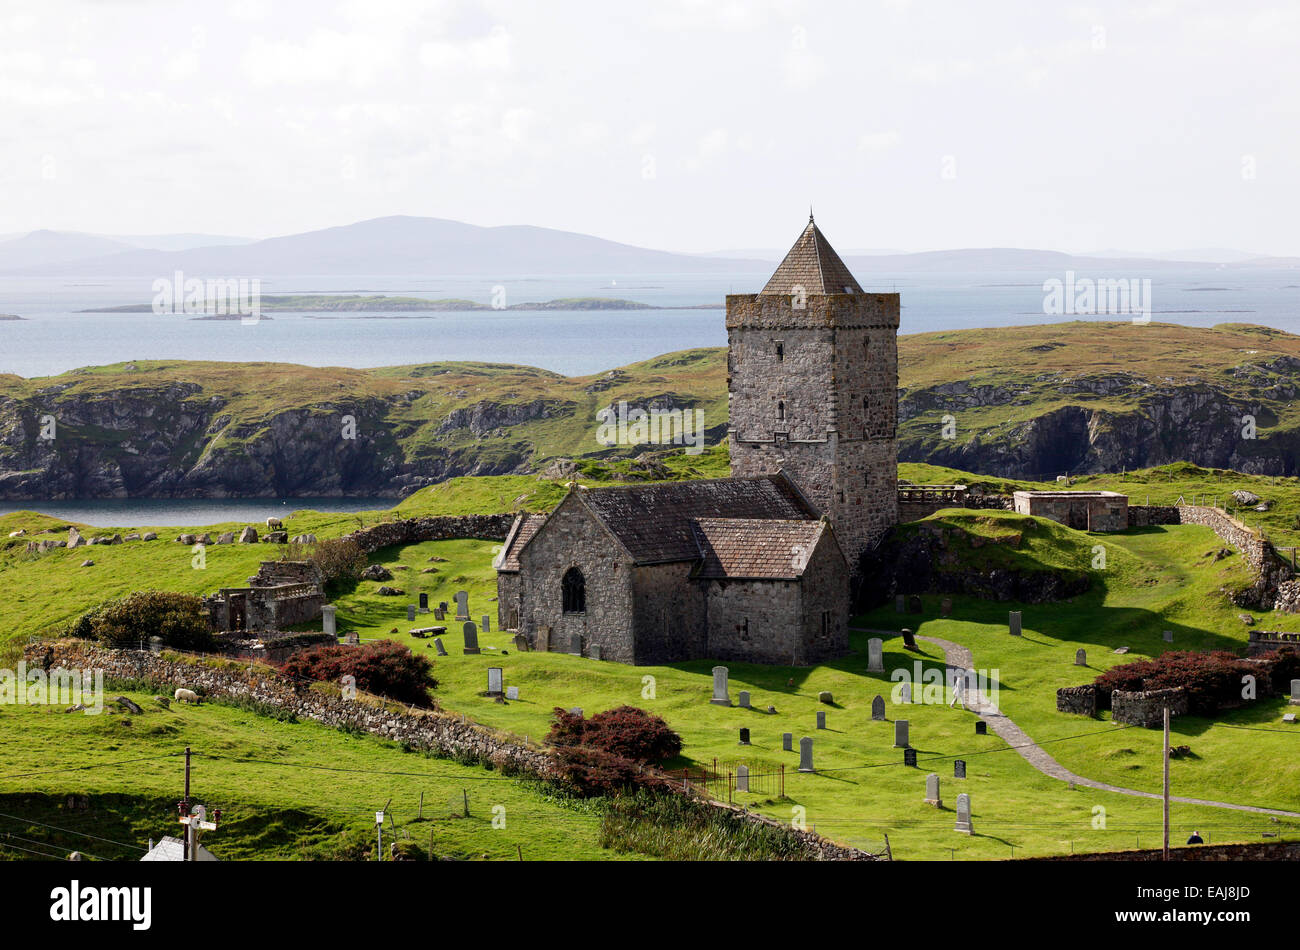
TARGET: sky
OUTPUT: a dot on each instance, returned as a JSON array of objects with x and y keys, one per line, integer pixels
[{"x": 687, "y": 125}]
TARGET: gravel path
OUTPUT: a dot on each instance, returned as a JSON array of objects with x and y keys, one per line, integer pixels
[{"x": 959, "y": 657}]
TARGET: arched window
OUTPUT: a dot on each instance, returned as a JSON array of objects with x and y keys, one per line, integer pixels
[
  {"x": 780, "y": 412},
  {"x": 574, "y": 591}
]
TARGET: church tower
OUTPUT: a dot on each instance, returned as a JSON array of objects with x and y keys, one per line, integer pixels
[{"x": 812, "y": 378}]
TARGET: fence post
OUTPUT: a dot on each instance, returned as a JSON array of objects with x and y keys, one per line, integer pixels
[
  {"x": 783, "y": 780},
  {"x": 728, "y": 786}
]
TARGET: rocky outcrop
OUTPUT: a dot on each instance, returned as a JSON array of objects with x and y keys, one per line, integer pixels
[{"x": 1164, "y": 423}]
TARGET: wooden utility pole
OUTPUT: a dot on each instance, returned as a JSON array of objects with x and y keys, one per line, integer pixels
[
  {"x": 185, "y": 809},
  {"x": 1166, "y": 757}
]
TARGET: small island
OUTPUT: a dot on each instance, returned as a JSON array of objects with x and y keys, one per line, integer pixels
[
  {"x": 11, "y": 316},
  {"x": 382, "y": 303}
]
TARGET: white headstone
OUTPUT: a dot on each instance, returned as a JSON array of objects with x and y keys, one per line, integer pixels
[
  {"x": 512, "y": 692},
  {"x": 875, "y": 655},
  {"x": 742, "y": 778},
  {"x": 327, "y": 613},
  {"x": 720, "y": 695},
  {"x": 744, "y": 699},
  {"x": 494, "y": 681},
  {"x": 932, "y": 790},
  {"x": 963, "y": 814}
]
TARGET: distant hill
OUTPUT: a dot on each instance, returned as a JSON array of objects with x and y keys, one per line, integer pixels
[
  {"x": 402, "y": 245},
  {"x": 1025, "y": 402}
]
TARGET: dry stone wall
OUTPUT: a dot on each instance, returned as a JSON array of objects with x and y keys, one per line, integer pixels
[
  {"x": 1147, "y": 708},
  {"x": 446, "y": 528}
]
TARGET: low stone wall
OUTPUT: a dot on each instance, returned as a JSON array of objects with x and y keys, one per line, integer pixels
[
  {"x": 1145, "y": 516},
  {"x": 432, "y": 731},
  {"x": 1079, "y": 700},
  {"x": 1265, "y": 641},
  {"x": 1259, "y": 851},
  {"x": 1147, "y": 708},
  {"x": 448, "y": 528}
]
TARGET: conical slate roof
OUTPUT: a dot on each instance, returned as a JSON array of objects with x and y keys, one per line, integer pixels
[{"x": 813, "y": 265}]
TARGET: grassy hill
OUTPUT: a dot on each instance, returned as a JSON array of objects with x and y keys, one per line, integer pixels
[{"x": 1018, "y": 402}]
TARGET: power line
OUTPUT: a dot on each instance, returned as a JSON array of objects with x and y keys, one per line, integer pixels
[
  {"x": 69, "y": 831},
  {"x": 83, "y": 768}
]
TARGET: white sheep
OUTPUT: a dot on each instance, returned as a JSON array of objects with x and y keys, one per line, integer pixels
[
  {"x": 188, "y": 695},
  {"x": 274, "y": 524}
]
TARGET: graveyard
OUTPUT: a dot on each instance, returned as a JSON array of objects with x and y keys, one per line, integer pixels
[{"x": 862, "y": 789}]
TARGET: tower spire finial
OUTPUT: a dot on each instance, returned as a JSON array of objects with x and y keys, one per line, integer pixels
[{"x": 810, "y": 217}]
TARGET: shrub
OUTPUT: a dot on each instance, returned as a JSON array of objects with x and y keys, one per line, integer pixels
[
  {"x": 626, "y": 731},
  {"x": 1212, "y": 680},
  {"x": 177, "y": 618},
  {"x": 383, "y": 667},
  {"x": 594, "y": 772},
  {"x": 339, "y": 560}
]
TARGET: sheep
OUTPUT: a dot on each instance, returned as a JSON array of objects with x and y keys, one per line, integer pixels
[
  {"x": 274, "y": 524},
  {"x": 188, "y": 695}
]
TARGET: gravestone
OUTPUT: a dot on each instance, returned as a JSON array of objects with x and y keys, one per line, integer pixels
[
  {"x": 439, "y": 613},
  {"x": 742, "y": 778},
  {"x": 327, "y": 613},
  {"x": 575, "y": 644},
  {"x": 720, "y": 695},
  {"x": 1295, "y": 691},
  {"x": 471, "y": 638},
  {"x": 744, "y": 737},
  {"x": 905, "y": 693},
  {"x": 963, "y": 814},
  {"x": 155, "y": 644},
  {"x": 981, "y": 727},
  {"x": 1169, "y": 636},
  {"x": 512, "y": 692},
  {"x": 410, "y": 613},
  {"x": 805, "y": 755},
  {"x": 945, "y": 607},
  {"x": 744, "y": 699},
  {"x": 900, "y": 734},
  {"x": 462, "y": 605},
  {"x": 1080, "y": 657},
  {"x": 521, "y": 643},
  {"x": 909, "y": 757},
  {"x": 442, "y": 605},
  {"x": 1013, "y": 622},
  {"x": 544, "y": 639},
  {"x": 487, "y": 624},
  {"x": 787, "y": 742},
  {"x": 900, "y": 604},
  {"x": 597, "y": 652},
  {"x": 878, "y": 709},
  {"x": 932, "y": 791},
  {"x": 577, "y": 711},
  {"x": 424, "y": 603},
  {"x": 914, "y": 603},
  {"x": 352, "y": 638},
  {"x": 1288, "y": 717},
  {"x": 909, "y": 639},
  {"x": 959, "y": 768},
  {"x": 875, "y": 655},
  {"x": 821, "y": 720},
  {"x": 494, "y": 681}
]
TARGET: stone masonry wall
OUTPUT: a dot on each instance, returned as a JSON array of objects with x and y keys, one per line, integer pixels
[
  {"x": 447, "y": 528},
  {"x": 1147, "y": 708},
  {"x": 1079, "y": 700}
]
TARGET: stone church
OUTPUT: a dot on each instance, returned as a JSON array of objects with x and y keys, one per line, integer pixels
[{"x": 756, "y": 567}]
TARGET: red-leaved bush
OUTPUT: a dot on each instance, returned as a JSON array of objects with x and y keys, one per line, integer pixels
[
  {"x": 1213, "y": 680},
  {"x": 591, "y": 772},
  {"x": 383, "y": 667},
  {"x": 626, "y": 731}
]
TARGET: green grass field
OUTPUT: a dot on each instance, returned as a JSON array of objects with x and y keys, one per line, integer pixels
[{"x": 1153, "y": 580}]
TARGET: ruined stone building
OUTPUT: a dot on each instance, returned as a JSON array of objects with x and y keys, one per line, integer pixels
[
  {"x": 756, "y": 567},
  {"x": 280, "y": 594}
]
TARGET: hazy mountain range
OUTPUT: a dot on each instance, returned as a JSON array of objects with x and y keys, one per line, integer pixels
[{"x": 403, "y": 245}]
